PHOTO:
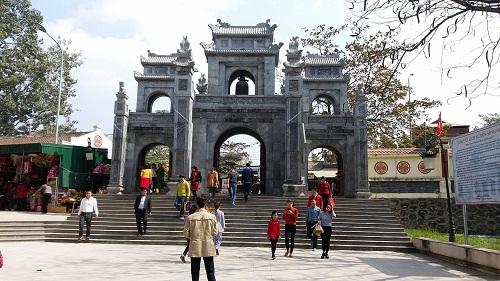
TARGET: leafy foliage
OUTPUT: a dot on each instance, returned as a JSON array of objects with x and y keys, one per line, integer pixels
[
  {"x": 389, "y": 112},
  {"x": 447, "y": 23},
  {"x": 488, "y": 119},
  {"x": 158, "y": 154},
  {"x": 232, "y": 155},
  {"x": 30, "y": 75}
]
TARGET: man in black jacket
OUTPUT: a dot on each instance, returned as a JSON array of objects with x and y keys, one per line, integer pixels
[{"x": 142, "y": 207}]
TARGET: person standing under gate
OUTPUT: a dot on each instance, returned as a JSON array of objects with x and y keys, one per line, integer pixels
[
  {"x": 233, "y": 184},
  {"x": 247, "y": 179},
  {"x": 200, "y": 228},
  {"x": 212, "y": 182},
  {"x": 88, "y": 206},
  {"x": 146, "y": 176},
  {"x": 153, "y": 178},
  {"x": 160, "y": 177},
  {"x": 142, "y": 210},
  {"x": 324, "y": 190},
  {"x": 195, "y": 180},
  {"x": 290, "y": 215}
]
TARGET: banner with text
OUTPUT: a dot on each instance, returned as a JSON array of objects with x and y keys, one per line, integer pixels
[{"x": 476, "y": 162}]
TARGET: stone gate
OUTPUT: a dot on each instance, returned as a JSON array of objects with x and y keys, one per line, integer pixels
[{"x": 204, "y": 115}]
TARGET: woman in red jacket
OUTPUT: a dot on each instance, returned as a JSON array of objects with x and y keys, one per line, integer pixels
[
  {"x": 290, "y": 215},
  {"x": 273, "y": 232},
  {"x": 325, "y": 191}
]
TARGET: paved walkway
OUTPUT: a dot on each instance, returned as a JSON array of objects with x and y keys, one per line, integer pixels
[
  {"x": 89, "y": 261},
  {"x": 12, "y": 216}
]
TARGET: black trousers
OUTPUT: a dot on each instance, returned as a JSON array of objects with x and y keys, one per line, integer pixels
[
  {"x": 21, "y": 204},
  {"x": 140, "y": 215},
  {"x": 290, "y": 230},
  {"x": 85, "y": 218},
  {"x": 45, "y": 202},
  {"x": 274, "y": 242},
  {"x": 209, "y": 268},
  {"x": 325, "y": 238},
  {"x": 186, "y": 250},
  {"x": 314, "y": 238}
]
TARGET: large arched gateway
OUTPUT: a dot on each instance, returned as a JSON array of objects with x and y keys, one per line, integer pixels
[{"x": 310, "y": 111}]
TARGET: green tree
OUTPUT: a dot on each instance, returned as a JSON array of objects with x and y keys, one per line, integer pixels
[
  {"x": 389, "y": 112},
  {"x": 232, "y": 154},
  {"x": 487, "y": 119},
  {"x": 158, "y": 154},
  {"x": 30, "y": 75}
]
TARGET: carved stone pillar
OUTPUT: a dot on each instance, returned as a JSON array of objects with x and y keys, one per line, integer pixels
[{"x": 119, "y": 141}]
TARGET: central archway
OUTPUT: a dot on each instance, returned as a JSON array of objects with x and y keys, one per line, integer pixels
[{"x": 246, "y": 131}]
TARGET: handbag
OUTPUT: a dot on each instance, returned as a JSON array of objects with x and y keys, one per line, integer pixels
[
  {"x": 318, "y": 230},
  {"x": 187, "y": 206}
]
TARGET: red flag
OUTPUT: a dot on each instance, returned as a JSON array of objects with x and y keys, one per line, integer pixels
[{"x": 439, "y": 128}]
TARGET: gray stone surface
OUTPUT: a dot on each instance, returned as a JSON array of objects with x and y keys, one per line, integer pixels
[
  {"x": 87, "y": 261},
  {"x": 198, "y": 123},
  {"x": 433, "y": 214}
]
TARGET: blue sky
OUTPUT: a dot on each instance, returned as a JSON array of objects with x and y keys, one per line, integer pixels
[{"x": 113, "y": 34}]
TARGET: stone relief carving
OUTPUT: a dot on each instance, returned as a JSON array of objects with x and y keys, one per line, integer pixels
[
  {"x": 276, "y": 46},
  {"x": 222, "y": 24},
  {"x": 122, "y": 89},
  {"x": 183, "y": 85},
  {"x": 202, "y": 81},
  {"x": 208, "y": 46},
  {"x": 266, "y": 24},
  {"x": 184, "y": 46},
  {"x": 293, "y": 46},
  {"x": 202, "y": 84}
]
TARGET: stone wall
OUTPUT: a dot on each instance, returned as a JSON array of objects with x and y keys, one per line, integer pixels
[
  {"x": 432, "y": 213},
  {"x": 404, "y": 186}
]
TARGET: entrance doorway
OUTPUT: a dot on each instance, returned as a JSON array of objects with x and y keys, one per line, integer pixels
[{"x": 256, "y": 153}]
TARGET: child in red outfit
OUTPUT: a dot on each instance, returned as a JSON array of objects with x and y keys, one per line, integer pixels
[{"x": 273, "y": 232}]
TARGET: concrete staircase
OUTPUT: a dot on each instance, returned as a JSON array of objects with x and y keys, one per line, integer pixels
[{"x": 360, "y": 224}]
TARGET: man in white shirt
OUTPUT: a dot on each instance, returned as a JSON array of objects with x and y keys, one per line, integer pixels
[
  {"x": 142, "y": 210},
  {"x": 87, "y": 208}
]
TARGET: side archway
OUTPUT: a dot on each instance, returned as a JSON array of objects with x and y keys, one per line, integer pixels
[
  {"x": 333, "y": 171},
  {"x": 161, "y": 101}
]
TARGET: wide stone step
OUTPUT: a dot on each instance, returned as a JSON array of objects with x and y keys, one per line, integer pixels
[{"x": 360, "y": 224}]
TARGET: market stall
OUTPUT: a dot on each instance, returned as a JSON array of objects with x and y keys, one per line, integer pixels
[{"x": 64, "y": 167}]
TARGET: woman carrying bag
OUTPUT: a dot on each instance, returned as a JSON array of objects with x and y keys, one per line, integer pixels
[{"x": 325, "y": 221}]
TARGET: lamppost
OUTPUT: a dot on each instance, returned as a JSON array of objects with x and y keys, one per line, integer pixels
[
  {"x": 409, "y": 101},
  {"x": 429, "y": 163},
  {"x": 42, "y": 29},
  {"x": 89, "y": 153}
]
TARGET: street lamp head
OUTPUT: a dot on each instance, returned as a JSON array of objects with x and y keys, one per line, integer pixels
[
  {"x": 428, "y": 158},
  {"x": 41, "y": 28},
  {"x": 89, "y": 152}
]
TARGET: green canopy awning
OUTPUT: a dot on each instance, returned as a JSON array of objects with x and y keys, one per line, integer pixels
[{"x": 74, "y": 166}]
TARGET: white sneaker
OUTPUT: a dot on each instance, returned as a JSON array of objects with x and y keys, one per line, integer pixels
[
  {"x": 234, "y": 204},
  {"x": 314, "y": 249},
  {"x": 181, "y": 218}
]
